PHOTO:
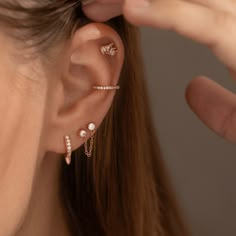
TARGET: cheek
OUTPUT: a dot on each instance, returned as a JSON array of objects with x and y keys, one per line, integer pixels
[
  {"x": 14, "y": 203},
  {"x": 21, "y": 122},
  {"x": 22, "y": 109},
  {"x": 19, "y": 159}
]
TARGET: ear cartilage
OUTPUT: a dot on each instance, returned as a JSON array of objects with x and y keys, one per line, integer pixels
[
  {"x": 116, "y": 87},
  {"x": 68, "y": 150},
  {"x": 109, "y": 50}
]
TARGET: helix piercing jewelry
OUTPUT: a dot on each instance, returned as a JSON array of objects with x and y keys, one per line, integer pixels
[
  {"x": 68, "y": 150},
  {"x": 116, "y": 87},
  {"x": 83, "y": 134},
  {"x": 109, "y": 50}
]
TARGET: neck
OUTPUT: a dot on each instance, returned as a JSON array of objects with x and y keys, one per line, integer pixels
[{"x": 45, "y": 214}]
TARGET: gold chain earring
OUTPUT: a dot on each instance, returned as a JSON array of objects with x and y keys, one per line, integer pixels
[{"x": 83, "y": 134}]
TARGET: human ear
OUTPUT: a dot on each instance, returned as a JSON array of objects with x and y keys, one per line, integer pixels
[{"x": 73, "y": 103}]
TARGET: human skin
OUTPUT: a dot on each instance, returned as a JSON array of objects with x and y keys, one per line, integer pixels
[
  {"x": 44, "y": 98},
  {"x": 42, "y": 102},
  {"x": 210, "y": 22}
]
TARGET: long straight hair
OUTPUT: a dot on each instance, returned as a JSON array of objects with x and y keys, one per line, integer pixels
[{"x": 123, "y": 189}]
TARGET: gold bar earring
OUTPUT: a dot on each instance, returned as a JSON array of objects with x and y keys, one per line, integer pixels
[{"x": 68, "y": 150}]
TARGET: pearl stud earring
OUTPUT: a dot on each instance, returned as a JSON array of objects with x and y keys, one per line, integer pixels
[{"x": 83, "y": 135}]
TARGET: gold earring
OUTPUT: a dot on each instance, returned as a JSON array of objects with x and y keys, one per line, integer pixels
[
  {"x": 83, "y": 134},
  {"x": 109, "y": 50},
  {"x": 68, "y": 150},
  {"x": 108, "y": 87}
]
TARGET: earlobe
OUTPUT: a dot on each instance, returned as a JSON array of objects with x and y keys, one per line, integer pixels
[{"x": 89, "y": 81}]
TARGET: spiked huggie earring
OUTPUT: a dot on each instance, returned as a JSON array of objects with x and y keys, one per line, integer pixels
[
  {"x": 109, "y": 50},
  {"x": 68, "y": 150},
  {"x": 83, "y": 134}
]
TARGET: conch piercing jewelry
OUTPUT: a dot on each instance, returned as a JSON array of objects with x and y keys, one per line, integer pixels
[
  {"x": 83, "y": 134},
  {"x": 116, "y": 87},
  {"x": 109, "y": 50},
  {"x": 68, "y": 150}
]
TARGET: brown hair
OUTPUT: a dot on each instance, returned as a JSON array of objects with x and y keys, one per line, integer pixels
[{"x": 123, "y": 189}]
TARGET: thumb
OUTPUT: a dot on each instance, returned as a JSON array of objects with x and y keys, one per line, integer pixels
[{"x": 214, "y": 105}]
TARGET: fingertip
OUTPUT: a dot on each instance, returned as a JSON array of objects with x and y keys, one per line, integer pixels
[
  {"x": 100, "y": 12},
  {"x": 87, "y": 2},
  {"x": 195, "y": 88}
]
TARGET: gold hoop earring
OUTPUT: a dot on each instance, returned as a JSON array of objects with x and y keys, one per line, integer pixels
[
  {"x": 108, "y": 87},
  {"x": 68, "y": 150}
]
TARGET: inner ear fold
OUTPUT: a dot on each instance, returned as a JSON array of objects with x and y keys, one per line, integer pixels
[{"x": 76, "y": 102}]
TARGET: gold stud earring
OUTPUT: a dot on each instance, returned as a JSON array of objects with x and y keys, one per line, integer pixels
[
  {"x": 68, "y": 150},
  {"x": 83, "y": 135},
  {"x": 109, "y": 50}
]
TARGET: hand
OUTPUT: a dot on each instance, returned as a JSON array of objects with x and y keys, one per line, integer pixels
[{"x": 210, "y": 22}]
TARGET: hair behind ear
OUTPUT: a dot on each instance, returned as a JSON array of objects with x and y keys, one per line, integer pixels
[{"x": 123, "y": 189}]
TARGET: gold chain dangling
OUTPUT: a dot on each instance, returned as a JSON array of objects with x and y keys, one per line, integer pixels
[{"x": 83, "y": 134}]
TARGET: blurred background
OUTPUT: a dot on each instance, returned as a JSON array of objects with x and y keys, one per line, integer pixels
[{"x": 201, "y": 164}]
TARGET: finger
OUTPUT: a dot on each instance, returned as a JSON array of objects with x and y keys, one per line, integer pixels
[
  {"x": 226, "y": 5},
  {"x": 191, "y": 20},
  {"x": 87, "y": 2},
  {"x": 214, "y": 105},
  {"x": 102, "y": 12}
]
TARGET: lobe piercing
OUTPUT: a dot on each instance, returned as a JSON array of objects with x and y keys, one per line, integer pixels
[
  {"x": 109, "y": 50},
  {"x": 68, "y": 150},
  {"x": 83, "y": 134}
]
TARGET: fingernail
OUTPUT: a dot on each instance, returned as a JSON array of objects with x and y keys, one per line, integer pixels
[
  {"x": 87, "y": 2},
  {"x": 137, "y": 4}
]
